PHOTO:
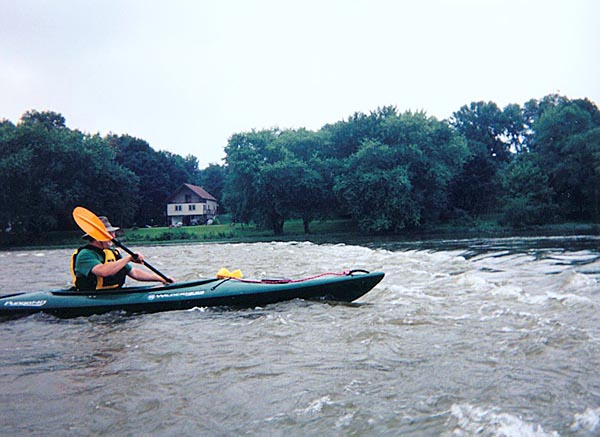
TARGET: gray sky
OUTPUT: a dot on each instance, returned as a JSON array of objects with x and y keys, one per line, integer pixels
[{"x": 186, "y": 75}]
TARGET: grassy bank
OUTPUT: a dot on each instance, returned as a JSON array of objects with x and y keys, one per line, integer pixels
[
  {"x": 235, "y": 232},
  {"x": 330, "y": 231},
  {"x": 343, "y": 230},
  {"x": 293, "y": 230}
]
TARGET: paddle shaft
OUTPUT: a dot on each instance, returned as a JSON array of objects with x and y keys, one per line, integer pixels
[{"x": 126, "y": 249}]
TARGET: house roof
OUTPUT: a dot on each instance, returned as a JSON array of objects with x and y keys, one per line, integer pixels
[{"x": 201, "y": 192}]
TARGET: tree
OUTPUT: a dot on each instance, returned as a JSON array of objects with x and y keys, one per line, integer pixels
[
  {"x": 515, "y": 128},
  {"x": 47, "y": 169},
  {"x": 269, "y": 180},
  {"x": 47, "y": 119},
  {"x": 344, "y": 138},
  {"x": 401, "y": 179},
  {"x": 485, "y": 124},
  {"x": 529, "y": 195},
  {"x": 103, "y": 184},
  {"x": 376, "y": 190},
  {"x": 246, "y": 153},
  {"x": 274, "y": 187},
  {"x": 312, "y": 194},
  {"x": 302, "y": 143},
  {"x": 492, "y": 135},
  {"x": 317, "y": 199},
  {"x": 212, "y": 178},
  {"x": 159, "y": 174},
  {"x": 567, "y": 141}
]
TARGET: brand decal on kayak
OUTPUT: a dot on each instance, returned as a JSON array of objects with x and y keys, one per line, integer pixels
[
  {"x": 25, "y": 303},
  {"x": 180, "y": 294}
]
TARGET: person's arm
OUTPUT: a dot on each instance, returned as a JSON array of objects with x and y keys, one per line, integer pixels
[
  {"x": 109, "y": 269},
  {"x": 145, "y": 276}
]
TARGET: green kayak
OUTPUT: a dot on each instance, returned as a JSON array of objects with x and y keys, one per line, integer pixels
[{"x": 228, "y": 292}]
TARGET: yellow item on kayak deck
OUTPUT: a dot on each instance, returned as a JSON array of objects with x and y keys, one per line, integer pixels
[{"x": 225, "y": 273}]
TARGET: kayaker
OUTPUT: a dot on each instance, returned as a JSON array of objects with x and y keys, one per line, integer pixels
[{"x": 99, "y": 266}]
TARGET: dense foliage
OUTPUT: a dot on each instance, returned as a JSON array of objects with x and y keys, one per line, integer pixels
[
  {"x": 46, "y": 169},
  {"x": 529, "y": 165},
  {"x": 388, "y": 171}
]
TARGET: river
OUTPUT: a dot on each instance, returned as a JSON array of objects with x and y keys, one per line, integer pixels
[{"x": 462, "y": 337}]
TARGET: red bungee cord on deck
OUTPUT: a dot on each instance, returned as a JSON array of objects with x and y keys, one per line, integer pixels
[{"x": 293, "y": 281}]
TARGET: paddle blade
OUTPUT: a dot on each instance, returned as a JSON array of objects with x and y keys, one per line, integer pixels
[{"x": 91, "y": 224}]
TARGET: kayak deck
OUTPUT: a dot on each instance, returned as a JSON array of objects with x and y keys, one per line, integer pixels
[{"x": 227, "y": 292}]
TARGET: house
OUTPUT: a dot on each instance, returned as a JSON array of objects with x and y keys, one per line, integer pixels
[{"x": 190, "y": 205}]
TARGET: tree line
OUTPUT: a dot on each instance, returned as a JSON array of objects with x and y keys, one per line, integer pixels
[
  {"x": 46, "y": 169},
  {"x": 538, "y": 163},
  {"x": 524, "y": 165}
]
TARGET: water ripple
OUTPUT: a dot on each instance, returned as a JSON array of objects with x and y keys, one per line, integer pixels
[{"x": 462, "y": 337}]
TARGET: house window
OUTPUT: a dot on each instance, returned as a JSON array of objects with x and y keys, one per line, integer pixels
[
  {"x": 192, "y": 207},
  {"x": 188, "y": 198},
  {"x": 178, "y": 208}
]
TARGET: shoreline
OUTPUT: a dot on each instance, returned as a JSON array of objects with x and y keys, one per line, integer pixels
[{"x": 324, "y": 233}]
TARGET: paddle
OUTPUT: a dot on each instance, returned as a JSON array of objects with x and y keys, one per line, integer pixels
[{"x": 91, "y": 224}]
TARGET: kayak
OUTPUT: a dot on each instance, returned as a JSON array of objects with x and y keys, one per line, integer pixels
[{"x": 225, "y": 292}]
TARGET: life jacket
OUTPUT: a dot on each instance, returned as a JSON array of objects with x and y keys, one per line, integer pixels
[{"x": 93, "y": 282}]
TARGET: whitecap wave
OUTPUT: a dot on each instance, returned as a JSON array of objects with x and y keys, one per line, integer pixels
[
  {"x": 588, "y": 421},
  {"x": 471, "y": 420}
]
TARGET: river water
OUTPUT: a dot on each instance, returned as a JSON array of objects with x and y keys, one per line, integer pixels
[{"x": 462, "y": 337}]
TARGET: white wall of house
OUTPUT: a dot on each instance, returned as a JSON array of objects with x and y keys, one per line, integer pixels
[
  {"x": 189, "y": 212},
  {"x": 182, "y": 209}
]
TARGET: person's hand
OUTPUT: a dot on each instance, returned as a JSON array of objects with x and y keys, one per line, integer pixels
[
  {"x": 137, "y": 258},
  {"x": 170, "y": 280}
]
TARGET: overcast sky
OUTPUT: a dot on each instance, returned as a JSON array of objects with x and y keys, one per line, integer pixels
[{"x": 186, "y": 75}]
